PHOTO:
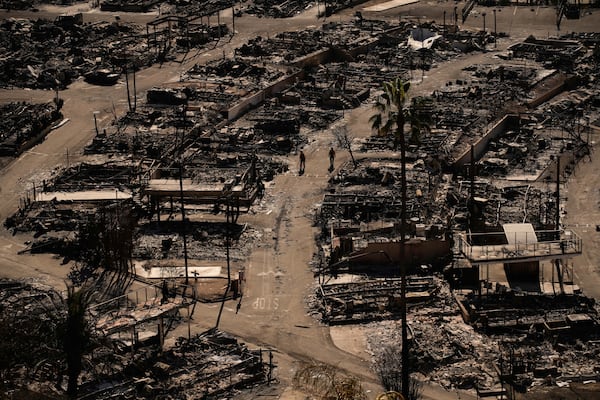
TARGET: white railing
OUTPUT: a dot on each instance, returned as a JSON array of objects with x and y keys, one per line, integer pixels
[{"x": 484, "y": 247}]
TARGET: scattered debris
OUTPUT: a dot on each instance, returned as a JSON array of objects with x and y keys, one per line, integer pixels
[
  {"x": 499, "y": 143},
  {"x": 24, "y": 125}
]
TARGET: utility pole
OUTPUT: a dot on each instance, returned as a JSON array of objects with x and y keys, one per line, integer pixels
[
  {"x": 227, "y": 235},
  {"x": 227, "y": 239},
  {"x": 444, "y": 31},
  {"x": 557, "y": 223},
  {"x": 131, "y": 107},
  {"x": 183, "y": 226},
  {"x": 127, "y": 84},
  {"x": 495, "y": 31},
  {"x": 455, "y": 19},
  {"x": 472, "y": 190},
  {"x": 483, "y": 14},
  {"x": 422, "y": 50},
  {"x": 232, "y": 18},
  {"x": 587, "y": 120},
  {"x": 134, "y": 90}
]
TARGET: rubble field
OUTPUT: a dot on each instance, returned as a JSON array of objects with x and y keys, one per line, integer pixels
[
  {"x": 210, "y": 364},
  {"x": 486, "y": 157}
]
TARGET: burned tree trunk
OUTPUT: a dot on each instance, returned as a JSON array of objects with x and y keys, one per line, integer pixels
[{"x": 76, "y": 336}]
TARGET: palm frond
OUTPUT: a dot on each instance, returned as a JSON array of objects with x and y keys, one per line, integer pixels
[
  {"x": 388, "y": 126},
  {"x": 376, "y": 121}
]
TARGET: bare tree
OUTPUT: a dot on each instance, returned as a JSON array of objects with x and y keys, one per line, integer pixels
[
  {"x": 388, "y": 367},
  {"x": 132, "y": 107},
  {"x": 344, "y": 140},
  {"x": 327, "y": 382}
]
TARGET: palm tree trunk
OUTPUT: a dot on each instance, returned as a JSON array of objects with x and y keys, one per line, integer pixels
[
  {"x": 75, "y": 337},
  {"x": 405, "y": 360}
]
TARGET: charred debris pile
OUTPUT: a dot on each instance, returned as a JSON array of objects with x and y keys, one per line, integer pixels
[
  {"x": 500, "y": 139},
  {"x": 60, "y": 211},
  {"x": 23, "y": 125},
  {"x": 52, "y": 54},
  {"x": 330, "y": 73},
  {"x": 290, "y": 8},
  {"x": 456, "y": 355},
  {"x": 129, "y": 6},
  {"x": 157, "y": 145},
  {"x": 188, "y": 128},
  {"x": 153, "y": 132},
  {"x": 32, "y": 4},
  {"x": 231, "y": 82},
  {"x": 501, "y": 142},
  {"x": 118, "y": 364},
  {"x": 208, "y": 365},
  {"x": 46, "y": 206},
  {"x": 520, "y": 150},
  {"x": 179, "y": 7}
]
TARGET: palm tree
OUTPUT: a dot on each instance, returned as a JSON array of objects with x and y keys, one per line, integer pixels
[{"x": 390, "y": 117}]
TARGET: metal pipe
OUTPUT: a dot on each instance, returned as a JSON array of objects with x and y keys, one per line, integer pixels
[
  {"x": 444, "y": 31},
  {"x": 483, "y": 14},
  {"x": 495, "y": 31},
  {"x": 183, "y": 227}
]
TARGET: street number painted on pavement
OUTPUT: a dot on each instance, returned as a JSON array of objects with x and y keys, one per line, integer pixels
[{"x": 262, "y": 303}]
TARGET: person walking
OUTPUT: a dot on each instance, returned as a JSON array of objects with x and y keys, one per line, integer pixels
[
  {"x": 331, "y": 158},
  {"x": 302, "y": 162}
]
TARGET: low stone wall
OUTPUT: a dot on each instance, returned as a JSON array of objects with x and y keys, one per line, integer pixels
[
  {"x": 480, "y": 147},
  {"x": 257, "y": 98}
]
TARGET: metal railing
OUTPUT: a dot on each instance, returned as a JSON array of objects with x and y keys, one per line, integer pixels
[
  {"x": 486, "y": 247},
  {"x": 143, "y": 297}
]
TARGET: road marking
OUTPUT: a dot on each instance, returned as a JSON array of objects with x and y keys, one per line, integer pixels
[
  {"x": 263, "y": 272},
  {"x": 36, "y": 153},
  {"x": 266, "y": 303}
]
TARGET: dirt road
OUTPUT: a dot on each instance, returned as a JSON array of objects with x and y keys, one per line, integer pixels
[{"x": 582, "y": 216}]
